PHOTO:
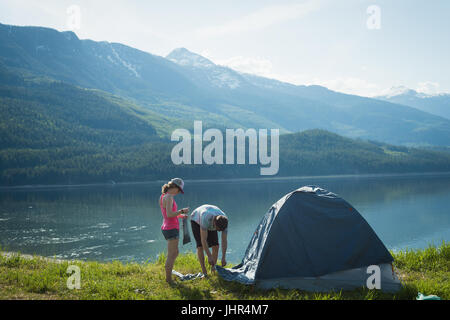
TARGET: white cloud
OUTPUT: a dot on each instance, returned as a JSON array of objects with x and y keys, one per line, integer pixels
[
  {"x": 263, "y": 67},
  {"x": 350, "y": 85},
  {"x": 394, "y": 91},
  {"x": 259, "y": 66},
  {"x": 428, "y": 87},
  {"x": 261, "y": 18}
]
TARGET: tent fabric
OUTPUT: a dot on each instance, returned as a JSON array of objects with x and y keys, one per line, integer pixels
[
  {"x": 342, "y": 280},
  {"x": 310, "y": 233}
]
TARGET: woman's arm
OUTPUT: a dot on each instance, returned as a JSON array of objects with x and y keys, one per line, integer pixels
[{"x": 168, "y": 201}]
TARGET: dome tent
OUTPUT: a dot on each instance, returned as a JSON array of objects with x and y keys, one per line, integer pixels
[{"x": 313, "y": 240}]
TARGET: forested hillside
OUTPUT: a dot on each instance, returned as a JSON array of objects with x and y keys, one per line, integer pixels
[
  {"x": 185, "y": 86},
  {"x": 53, "y": 130}
]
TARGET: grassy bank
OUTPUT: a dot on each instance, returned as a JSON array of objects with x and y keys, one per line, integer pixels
[{"x": 427, "y": 271}]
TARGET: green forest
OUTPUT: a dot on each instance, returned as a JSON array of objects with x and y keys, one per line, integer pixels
[{"x": 56, "y": 133}]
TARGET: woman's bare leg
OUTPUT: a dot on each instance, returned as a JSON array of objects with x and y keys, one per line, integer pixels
[{"x": 172, "y": 253}]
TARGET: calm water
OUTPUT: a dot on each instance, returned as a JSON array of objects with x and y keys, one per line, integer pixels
[{"x": 123, "y": 221}]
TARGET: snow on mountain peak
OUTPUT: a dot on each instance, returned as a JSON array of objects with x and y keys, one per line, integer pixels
[
  {"x": 184, "y": 57},
  {"x": 218, "y": 76},
  {"x": 403, "y": 91},
  {"x": 399, "y": 91}
]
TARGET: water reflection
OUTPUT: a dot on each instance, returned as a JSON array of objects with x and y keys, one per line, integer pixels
[{"x": 123, "y": 222}]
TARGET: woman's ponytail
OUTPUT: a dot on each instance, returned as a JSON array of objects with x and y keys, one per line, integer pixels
[{"x": 167, "y": 186}]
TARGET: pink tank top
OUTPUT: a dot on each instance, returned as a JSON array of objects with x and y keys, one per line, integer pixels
[{"x": 168, "y": 223}]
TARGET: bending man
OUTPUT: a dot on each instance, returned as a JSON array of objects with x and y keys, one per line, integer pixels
[{"x": 206, "y": 220}]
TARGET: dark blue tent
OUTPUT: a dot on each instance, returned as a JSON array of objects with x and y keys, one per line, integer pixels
[{"x": 313, "y": 240}]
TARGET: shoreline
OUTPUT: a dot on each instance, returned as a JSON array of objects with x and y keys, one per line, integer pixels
[
  {"x": 12, "y": 254},
  {"x": 226, "y": 180},
  {"x": 31, "y": 256}
]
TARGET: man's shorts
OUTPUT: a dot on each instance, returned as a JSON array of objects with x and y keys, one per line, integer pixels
[
  {"x": 171, "y": 234},
  {"x": 212, "y": 239}
]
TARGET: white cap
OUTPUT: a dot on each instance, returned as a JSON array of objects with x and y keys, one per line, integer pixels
[{"x": 179, "y": 182}]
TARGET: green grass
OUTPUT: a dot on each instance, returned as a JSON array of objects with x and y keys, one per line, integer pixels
[{"x": 22, "y": 277}]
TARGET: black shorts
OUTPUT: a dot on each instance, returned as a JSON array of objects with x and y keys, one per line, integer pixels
[
  {"x": 212, "y": 239},
  {"x": 171, "y": 234}
]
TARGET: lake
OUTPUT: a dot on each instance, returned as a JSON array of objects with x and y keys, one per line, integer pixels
[{"x": 122, "y": 222}]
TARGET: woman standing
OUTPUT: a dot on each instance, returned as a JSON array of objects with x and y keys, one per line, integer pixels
[{"x": 170, "y": 227}]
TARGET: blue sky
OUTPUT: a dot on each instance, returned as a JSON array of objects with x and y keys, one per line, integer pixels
[{"x": 326, "y": 42}]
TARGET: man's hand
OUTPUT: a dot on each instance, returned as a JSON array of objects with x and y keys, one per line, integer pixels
[{"x": 212, "y": 263}]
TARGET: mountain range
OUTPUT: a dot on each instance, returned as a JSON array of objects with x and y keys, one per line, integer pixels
[
  {"x": 79, "y": 111},
  {"x": 185, "y": 86},
  {"x": 437, "y": 104}
]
